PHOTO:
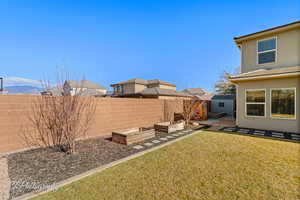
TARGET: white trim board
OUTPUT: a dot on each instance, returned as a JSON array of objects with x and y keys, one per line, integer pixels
[{"x": 265, "y": 107}]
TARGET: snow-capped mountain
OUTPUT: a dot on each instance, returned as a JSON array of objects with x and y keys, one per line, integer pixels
[
  {"x": 17, "y": 85},
  {"x": 17, "y": 81}
]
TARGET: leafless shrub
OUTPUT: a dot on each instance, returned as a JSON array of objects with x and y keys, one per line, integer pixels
[
  {"x": 56, "y": 121},
  {"x": 189, "y": 109}
]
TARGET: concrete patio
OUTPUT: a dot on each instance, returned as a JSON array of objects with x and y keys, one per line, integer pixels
[{"x": 226, "y": 121}]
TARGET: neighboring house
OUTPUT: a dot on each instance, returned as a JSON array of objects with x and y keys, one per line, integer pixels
[
  {"x": 268, "y": 88},
  {"x": 1, "y": 84},
  {"x": 223, "y": 104},
  {"x": 199, "y": 93},
  {"x": 141, "y": 88},
  {"x": 84, "y": 87},
  {"x": 204, "y": 108},
  {"x": 2, "y": 91},
  {"x": 55, "y": 91}
]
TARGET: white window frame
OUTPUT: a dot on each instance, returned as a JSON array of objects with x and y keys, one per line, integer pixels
[
  {"x": 295, "y": 108},
  {"x": 257, "y": 52},
  {"x": 246, "y": 103}
]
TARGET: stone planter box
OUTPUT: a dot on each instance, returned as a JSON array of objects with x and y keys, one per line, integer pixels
[
  {"x": 134, "y": 135},
  {"x": 167, "y": 127}
]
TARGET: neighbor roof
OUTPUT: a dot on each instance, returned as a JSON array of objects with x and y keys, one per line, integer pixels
[
  {"x": 157, "y": 81},
  {"x": 56, "y": 91},
  {"x": 85, "y": 84},
  {"x": 200, "y": 93},
  {"x": 156, "y": 91},
  {"x": 195, "y": 91},
  {"x": 267, "y": 73},
  {"x": 134, "y": 80},
  {"x": 205, "y": 97},
  {"x": 91, "y": 93},
  {"x": 284, "y": 27},
  {"x": 224, "y": 97},
  {"x": 144, "y": 82}
]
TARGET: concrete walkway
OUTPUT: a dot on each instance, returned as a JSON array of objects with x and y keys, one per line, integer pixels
[
  {"x": 226, "y": 121},
  {"x": 4, "y": 179}
]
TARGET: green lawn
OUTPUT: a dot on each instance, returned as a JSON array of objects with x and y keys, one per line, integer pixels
[{"x": 208, "y": 165}]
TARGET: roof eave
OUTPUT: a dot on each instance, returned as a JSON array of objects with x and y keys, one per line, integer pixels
[
  {"x": 272, "y": 76},
  {"x": 238, "y": 40}
]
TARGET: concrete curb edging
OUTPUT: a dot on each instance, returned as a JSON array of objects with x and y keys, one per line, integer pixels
[
  {"x": 255, "y": 136},
  {"x": 101, "y": 168},
  {"x": 4, "y": 179}
]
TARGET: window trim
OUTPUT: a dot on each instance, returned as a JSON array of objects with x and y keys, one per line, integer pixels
[
  {"x": 257, "y": 53},
  {"x": 265, "y": 110},
  {"x": 295, "y": 108}
]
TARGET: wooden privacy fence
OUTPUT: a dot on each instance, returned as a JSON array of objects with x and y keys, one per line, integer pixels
[{"x": 201, "y": 110}]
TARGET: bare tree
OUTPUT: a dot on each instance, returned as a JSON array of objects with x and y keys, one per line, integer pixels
[
  {"x": 224, "y": 86},
  {"x": 57, "y": 121},
  {"x": 189, "y": 109}
]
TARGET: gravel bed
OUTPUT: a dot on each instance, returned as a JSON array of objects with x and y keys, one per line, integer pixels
[{"x": 39, "y": 169}]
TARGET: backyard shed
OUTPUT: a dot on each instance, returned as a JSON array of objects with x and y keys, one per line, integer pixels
[{"x": 223, "y": 104}]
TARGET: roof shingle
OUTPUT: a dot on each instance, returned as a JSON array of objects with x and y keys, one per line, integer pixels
[
  {"x": 156, "y": 91},
  {"x": 85, "y": 84},
  {"x": 144, "y": 82}
]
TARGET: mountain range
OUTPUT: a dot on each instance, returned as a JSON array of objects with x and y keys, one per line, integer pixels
[{"x": 17, "y": 85}]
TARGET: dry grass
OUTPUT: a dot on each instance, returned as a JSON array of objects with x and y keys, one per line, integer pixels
[{"x": 208, "y": 165}]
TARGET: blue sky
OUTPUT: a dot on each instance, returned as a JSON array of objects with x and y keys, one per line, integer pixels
[{"x": 185, "y": 42}]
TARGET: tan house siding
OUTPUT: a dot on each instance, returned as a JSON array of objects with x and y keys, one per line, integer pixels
[
  {"x": 268, "y": 123},
  {"x": 288, "y": 48},
  {"x": 128, "y": 88},
  {"x": 162, "y": 86},
  {"x": 138, "y": 88},
  {"x": 102, "y": 90},
  {"x": 167, "y": 87}
]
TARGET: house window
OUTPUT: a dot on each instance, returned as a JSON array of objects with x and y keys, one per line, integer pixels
[
  {"x": 117, "y": 89},
  {"x": 266, "y": 51},
  {"x": 221, "y": 104},
  {"x": 283, "y": 103},
  {"x": 255, "y": 103},
  {"x": 122, "y": 89}
]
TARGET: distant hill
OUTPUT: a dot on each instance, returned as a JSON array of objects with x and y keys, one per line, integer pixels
[
  {"x": 23, "y": 89},
  {"x": 18, "y": 85}
]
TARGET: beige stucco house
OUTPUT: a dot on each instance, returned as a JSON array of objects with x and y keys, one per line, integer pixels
[
  {"x": 268, "y": 88},
  {"x": 141, "y": 88},
  {"x": 83, "y": 88}
]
